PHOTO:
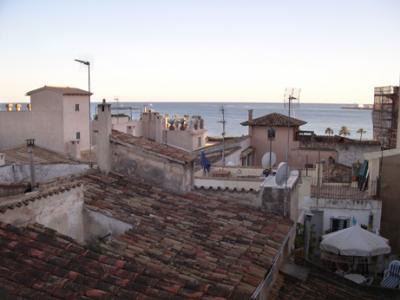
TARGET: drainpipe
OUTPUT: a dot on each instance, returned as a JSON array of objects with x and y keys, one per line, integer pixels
[{"x": 30, "y": 143}]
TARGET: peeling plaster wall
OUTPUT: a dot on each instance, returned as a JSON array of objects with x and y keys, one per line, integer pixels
[
  {"x": 170, "y": 175},
  {"x": 66, "y": 213},
  {"x": 43, "y": 173},
  {"x": 350, "y": 154},
  {"x": 60, "y": 211},
  {"x": 97, "y": 225}
]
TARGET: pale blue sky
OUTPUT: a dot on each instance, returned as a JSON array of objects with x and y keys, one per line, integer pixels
[{"x": 202, "y": 50}]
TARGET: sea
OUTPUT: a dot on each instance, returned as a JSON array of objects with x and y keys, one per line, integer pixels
[{"x": 317, "y": 116}]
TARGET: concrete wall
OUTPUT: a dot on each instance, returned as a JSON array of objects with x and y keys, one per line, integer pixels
[
  {"x": 134, "y": 161},
  {"x": 65, "y": 212},
  {"x": 311, "y": 156},
  {"x": 153, "y": 125},
  {"x": 390, "y": 197},
  {"x": 359, "y": 209},
  {"x": 76, "y": 121},
  {"x": 97, "y": 225},
  {"x": 15, "y": 128},
  {"x": 103, "y": 146},
  {"x": 273, "y": 196},
  {"x": 47, "y": 120},
  {"x": 52, "y": 122},
  {"x": 350, "y": 154},
  {"x": 60, "y": 211},
  {"x": 235, "y": 158},
  {"x": 185, "y": 139},
  {"x": 135, "y": 127},
  {"x": 260, "y": 142},
  {"x": 43, "y": 173}
]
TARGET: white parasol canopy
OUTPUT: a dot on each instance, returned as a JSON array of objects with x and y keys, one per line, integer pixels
[{"x": 355, "y": 241}]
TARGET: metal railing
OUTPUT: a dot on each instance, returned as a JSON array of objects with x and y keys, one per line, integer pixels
[{"x": 344, "y": 191}]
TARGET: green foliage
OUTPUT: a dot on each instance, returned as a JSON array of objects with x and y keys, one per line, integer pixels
[{"x": 344, "y": 131}]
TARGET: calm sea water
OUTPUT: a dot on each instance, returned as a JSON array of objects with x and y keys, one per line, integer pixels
[{"x": 317, "y": 116}]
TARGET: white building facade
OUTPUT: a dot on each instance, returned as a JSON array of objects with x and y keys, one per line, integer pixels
[{"x": 58, "y": 120}]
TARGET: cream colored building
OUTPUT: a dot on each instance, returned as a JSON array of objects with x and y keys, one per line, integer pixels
[
  {"x": 186, "y": 133},
  {"x": 58, "y": 119}
]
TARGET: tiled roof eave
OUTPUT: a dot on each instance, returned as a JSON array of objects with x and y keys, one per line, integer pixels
[{"x": 182, "y": 162}]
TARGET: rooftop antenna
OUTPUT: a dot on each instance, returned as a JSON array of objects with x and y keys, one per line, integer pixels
[
  {"x": 291, "y": 97},
  {"x": 223, "y": 122}
]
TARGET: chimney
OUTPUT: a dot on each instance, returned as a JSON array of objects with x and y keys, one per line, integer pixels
[
  {"x": 30, "y": 143},
  {"x": 104, "y": 127},
  {"x": 250, "y": 115},
  {"x": 250, "y": 119},
  {"x": 281, "y": 198}
]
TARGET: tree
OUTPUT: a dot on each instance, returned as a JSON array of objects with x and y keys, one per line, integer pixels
[
  {"x": 361, "y": 131},
  {"x": 344, "y": 131},
  {"x": 329, "y": 131}
]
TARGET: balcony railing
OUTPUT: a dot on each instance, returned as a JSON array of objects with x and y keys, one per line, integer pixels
[{"x": 344, "y": 191}]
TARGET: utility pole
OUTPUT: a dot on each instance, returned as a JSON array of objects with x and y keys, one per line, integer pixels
[{"x": 223, "y": 134}]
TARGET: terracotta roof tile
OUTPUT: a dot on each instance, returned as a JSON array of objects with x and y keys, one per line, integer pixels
[
  {"x": 274, "y": 120},
  {"x": 64, "y": 90},
  {"x": 205, "y": 240},
  {"x": 20, "y": 155},
  {"x": 181, "y": 247},
  {"x": 152, "y": 146},
  {"x": 324, "y": 285}
]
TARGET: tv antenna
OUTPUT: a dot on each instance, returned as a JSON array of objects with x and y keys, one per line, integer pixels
[
  {"x": 223, "y": 122},
  {"x": 291, "y": 97}
]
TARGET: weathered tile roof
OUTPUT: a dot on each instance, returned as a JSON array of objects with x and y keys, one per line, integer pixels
[
  {"x": 64, "y": 90},
  {"x": 204, "y": 239},
  {"x": 181, "y": 247},
  {"x": 144, "y": 144},
  {"x": 20, "y": 155},
  {"x": 38, "y": 263},
  {"x": 274, "y": 120}
]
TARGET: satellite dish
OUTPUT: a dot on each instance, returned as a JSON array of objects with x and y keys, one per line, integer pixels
[
  {"x": 265, "y": 161},
  {"x": 281, "y": 174}
]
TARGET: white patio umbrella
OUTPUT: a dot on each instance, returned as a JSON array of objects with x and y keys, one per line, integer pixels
[{"x": 355, "y": 241}]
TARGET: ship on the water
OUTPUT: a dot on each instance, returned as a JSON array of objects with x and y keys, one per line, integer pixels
[{"x": 359, "y": 106}]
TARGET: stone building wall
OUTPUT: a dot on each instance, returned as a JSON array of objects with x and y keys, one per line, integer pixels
[
  {"x": 134, "y": 161},
  {"x": 348, "y": 154}
]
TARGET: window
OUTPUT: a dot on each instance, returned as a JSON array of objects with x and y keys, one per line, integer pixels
[
  {"x": 339, "y": 223},
  {"x": 76, "y": 107},
  {"x": 199, "y": 142},
  {"x": 78, "y": 135}
]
